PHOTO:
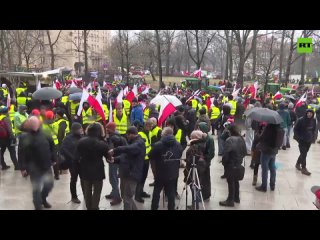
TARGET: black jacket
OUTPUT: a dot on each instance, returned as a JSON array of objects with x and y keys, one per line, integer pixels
[
  {"x": 69, "y": 147},
  {"x": 234, "y": 152},
  {"x": 301, "y": 111},
  {"x": 305, "y": 129},
  {"x": 90, "y": 153},
  {"x": 266, "y": 141},
  {"x": 36, "y": 152},
  {"x": 166, "y": 155},
  {"x": 131, "y": 159}
]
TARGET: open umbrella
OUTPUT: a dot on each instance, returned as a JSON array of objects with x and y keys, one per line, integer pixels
[
  {"x": 264, "y": 115},
  {"x": 166, "y": 98},
  {"x": 47, "y": 93},
  {"x": 290, "y": 97},
  {"x": 75, "y": 96},
  {"x": 74, "y": 90}
]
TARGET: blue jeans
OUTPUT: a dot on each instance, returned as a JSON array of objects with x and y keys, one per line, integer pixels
[
  {"x": 268, "y": 163},
  {"x": 114, "y": 180}
]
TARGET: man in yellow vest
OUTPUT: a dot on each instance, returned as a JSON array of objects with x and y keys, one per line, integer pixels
[
  {"x": 126, "y": 106},
  {"x": 22, "y": 99},
  {"x": 121, "y": 120},
  {"x": 214, "y": 114},
  {"x": 88, "y": 116},
  {"x": 72, "y": 107},
  {"x": 20, "y": 90},
  {"x": 145, "y": 134},
  {"x": 7, "y": 139},
  {"x": 155, "y": 137},
  {"x": 12, "y": 112},
  {"x": 5, "y": 91},
  {"x": 48, "y": 129},
  {"x": 233, "y": 104},
  {"x": 60, "y": 126},
  {"x": 19, "y": 118}
]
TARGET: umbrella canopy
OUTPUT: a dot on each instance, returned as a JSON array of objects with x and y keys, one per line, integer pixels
[
  {"x": 75, "y": 96},
  {"x": 74, "y": 90},
  {"x": 290, "y": 97},
  {"x": 166, "y": 98},
  {"x": 264, "y": 115},
  {"x": 47, "y": 93}
]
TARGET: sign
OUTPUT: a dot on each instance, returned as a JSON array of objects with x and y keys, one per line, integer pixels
[{"x": 304, "y": 45}]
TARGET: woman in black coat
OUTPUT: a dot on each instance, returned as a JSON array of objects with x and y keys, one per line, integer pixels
[
  {"x": 90, "y": 153},
  {"x": 234, "y": 152}
]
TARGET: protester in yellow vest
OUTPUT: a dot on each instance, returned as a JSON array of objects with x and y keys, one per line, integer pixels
[
  {"x": 145, "y": 134},
  {"x": 146, "y": 112},
  {"x": 215, "y": 113},
  {"x": 87, "y": 115},
  {"x": 20, "y": 90},
  {"x": 65, "y": 99},
  {"x": 233, "y": 104},
  {"x": 121, "y": 120},
  {"x": 126, "y": 106},
  {"x": 73, "y": 108},
  {"x": 60, "y": 126},
  {"x": 4, "y": 90},
  {"x": 48, "y": 129},
  {"x": 7, "y": 139},
  {"x": 22, "y": 99},
  {"x": 19, "y": 118}
]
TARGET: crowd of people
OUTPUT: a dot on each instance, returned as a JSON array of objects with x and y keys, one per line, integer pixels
[{"x": 52, "y": 139}]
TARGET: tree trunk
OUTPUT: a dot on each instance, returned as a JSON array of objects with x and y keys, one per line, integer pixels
[
  {"x": 230, "y": 58},
  {"x": 303, "y": 62},
  {"x": 240, "y": 70},
  {"x": 2, "y": 48},
  {"x": 51, "y": 49},
  {"x": 159, "y": 58},
  {"x": 9, "y": 58},
  {"x": 85, "y": 52},
  {"x": 226, "y": 70},
  {"x": 289, "y": 58},
  {"x": 281, "y": 55},
  {"x": 254, "y": 58},
  {"x": 127, "y": 56},
  {"x": 167, "y": 61}
]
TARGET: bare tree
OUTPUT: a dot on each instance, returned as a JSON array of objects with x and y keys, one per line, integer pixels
[
  {"x": 283, "y": 34},
  {"x": 82, "y": 47},
  {"x": 52, "y": 43},
  {"x": 169, "y": 36},
  {"x": 241, "y": 40},
  {"x": 158, "y": 41}
]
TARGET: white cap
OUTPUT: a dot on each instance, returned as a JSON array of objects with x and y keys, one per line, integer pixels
[{"x": 4, "y": 85}]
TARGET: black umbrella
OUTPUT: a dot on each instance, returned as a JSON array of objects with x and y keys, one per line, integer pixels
[
  {"x": 74, "y": 90},
  {"x": 75, "y": 96},
  {"x": 47, "y": 93},
  {"x": 290, "y": 97},
  {"x": 264, "y": 115}
]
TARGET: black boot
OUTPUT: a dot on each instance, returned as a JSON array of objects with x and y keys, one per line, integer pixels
[{"x": 226, "y": 203}]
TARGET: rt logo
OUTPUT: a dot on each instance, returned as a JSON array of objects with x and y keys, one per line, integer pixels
[{"x": 304, "y": 45}]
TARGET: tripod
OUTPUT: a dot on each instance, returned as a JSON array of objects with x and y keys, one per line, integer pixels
[{"x": 195, "y": 187}]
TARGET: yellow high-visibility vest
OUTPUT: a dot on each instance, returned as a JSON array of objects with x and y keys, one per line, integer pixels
[
  {"x": 122, "y": 124},
  {"x": 147, "y": 142},
  {"x": 21, "y": 101},
  {"x": 22, "y": 119},
  {"x": 5, "y": 92},
  {"x": 178, "y": 135},
  {"x": 20, "y": 90},
  {"x": 126, "y": 106},
  {"x": 73, "y": 106},
  {"x": 215, "y": 113},
  {"x": 87, "y": 117},
  {"x": 48, "y": 129},
  {"x": 234, "y": 107},
  {"x": 154, "y": 132},
  {"x": 64, "y": 99},
  {"x": 194, "y": 104},
  {"x": 146, "y": 113},
  {"x": 205, "y": 107},
  {"x": 11, "y": 112},
  {"x": 55, "y": 126},
  {"x": 105, "y": 111}
]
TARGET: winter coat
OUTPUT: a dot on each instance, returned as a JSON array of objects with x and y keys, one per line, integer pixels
[
  {"x": 153, "y": 112},
  {"x": 293, "y": 117},
  {"x": 131, "y": 159},
  {"x": 90, "y": 153},
  {"x": 286, "y": 118},
  {"x": 203, "y": 118},
  {"x": 69, "y": 147},
  {"x": 166, "y": 154},
  {"x": 209, "y": 150},
  {"x": 301, "y": 111},
  {"x": 137, "y": 114},
  {"x": 305, "y": 130},
  {"x": 36, "y": 152},
  {"x": 266, "y": 141},
  {"x": 234, "y": 152}
]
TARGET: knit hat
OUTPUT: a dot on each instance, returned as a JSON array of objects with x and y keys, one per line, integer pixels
[
  {"x": 49, "y": 115},
  {"x": 204, "y": 127},
  {"x": 111, "y": 126},
  {"x": 35, "y": 112}
]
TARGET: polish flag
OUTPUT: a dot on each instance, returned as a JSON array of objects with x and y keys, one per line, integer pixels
[
  {"x": 256, "y": 86},
  {"x": 222, "y": 88},
  {"x": 208, "y": 103},
  {"x": 165, "y": 111},
  {"x": 84, "y": 97},
  {"x": 8, "y": 100},
  {"x": 125, "y": 91},
  {"x": 301, "y": 100},
  {"x": 110, "y": 113},
  {"x": 130, "y": 96},
  {"x": 197, "y": 73},
  {"x": 104, "y": 84},
  {"x": 119, "y": 98},
  {"x": 196, "y": 93},
  {"x": 97, "y": 106},
  {"x": 235, "y": 93},
  {"x": 146, "y": 90},
  {"x": 89, "y": 87},
  {"x": 73, "y": 84},
  {"x": 135, "y": 90},
  {"x": 278, "y": 95}
]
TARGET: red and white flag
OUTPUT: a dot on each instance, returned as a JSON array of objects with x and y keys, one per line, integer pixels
[
  {"x": 8, "y": 100},
  {"x": 135, "y": 90},
  {"x": 256, "y": 86},
  {"x": 89, "y": 87},
  {"x": 222, "y": 88},
  {"x": 104, "y": 84},
  {"x": 278, "y": 95},
  {"x": 196, "y": 93},
  {"x": 119, "y": 98},
  {"x": 73, "y": 84},
  {"x": 166, "y": 110},
  {"x": 197, "y": 73},
  {"x": 95, "y": 103},
  {"x": 301, "y": 100},
  {"x": 146, "y": 90},
  {"x": 125, "y": 91},
  {"x": 235, "y": 93},
  {"x": 110, "y": 113},
  {"x": 84, "y": 98}
]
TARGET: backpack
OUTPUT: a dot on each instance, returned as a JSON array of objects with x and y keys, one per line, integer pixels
[
  {"x": 279, "y": 137},
  {"x": 4, "y": 133}
]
